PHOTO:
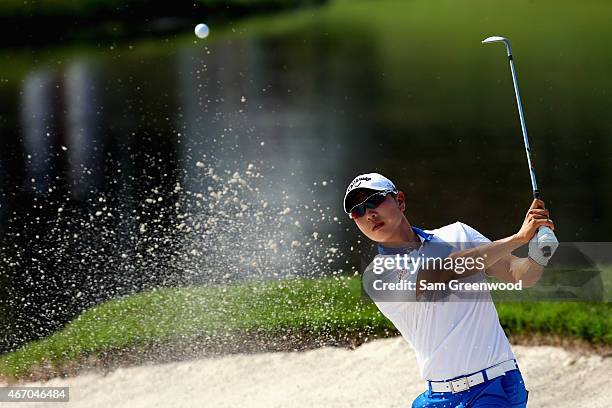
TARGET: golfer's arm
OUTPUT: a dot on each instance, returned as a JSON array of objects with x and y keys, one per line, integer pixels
[
  {"x": 512, "y": 269},
  {"x": 489, "y": 254}
]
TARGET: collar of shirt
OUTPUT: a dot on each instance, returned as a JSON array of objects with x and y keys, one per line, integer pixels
[{"x": 423, "y": 236}]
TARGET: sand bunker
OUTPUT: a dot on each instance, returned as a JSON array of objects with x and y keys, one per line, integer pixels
[{"x": 381, "y": 373}]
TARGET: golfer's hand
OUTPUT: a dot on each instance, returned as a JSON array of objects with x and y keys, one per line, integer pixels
[{"x": 537, "y": 216}]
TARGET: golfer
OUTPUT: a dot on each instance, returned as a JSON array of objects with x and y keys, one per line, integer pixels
[{"x": 461, "y": 348}]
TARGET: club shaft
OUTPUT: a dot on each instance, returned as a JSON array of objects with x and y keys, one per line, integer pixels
[
  {"x": 546, "y": 251},
  {"x": 544, "y": 231},
  {"x": 534, "y": 183}
]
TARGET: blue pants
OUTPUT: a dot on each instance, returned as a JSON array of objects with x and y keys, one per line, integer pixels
[{"x": 506, "y": 391}]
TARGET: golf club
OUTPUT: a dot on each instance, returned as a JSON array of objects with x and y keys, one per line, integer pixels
[{"x": 545, "y": 234}]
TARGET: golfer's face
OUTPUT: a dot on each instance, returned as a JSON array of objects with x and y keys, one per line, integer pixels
[{"x": 379, "y": 223}]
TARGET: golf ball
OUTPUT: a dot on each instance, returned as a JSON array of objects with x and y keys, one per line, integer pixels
[{"x": 202, "y": 31}]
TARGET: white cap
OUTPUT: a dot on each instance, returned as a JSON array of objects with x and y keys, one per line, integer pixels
[{"x": 370, "y": 181}]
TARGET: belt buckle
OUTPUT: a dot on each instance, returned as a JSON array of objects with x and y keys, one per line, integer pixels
[{"x": 461, "y": 386}]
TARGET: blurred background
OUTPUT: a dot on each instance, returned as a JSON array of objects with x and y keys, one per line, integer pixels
[{"x": 134, "y": 155}]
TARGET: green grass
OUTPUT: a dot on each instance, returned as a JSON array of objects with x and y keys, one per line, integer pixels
[
  {"x": 316, "y": 306},
  {"x": 587, "y": 321},
  {"x": 313, "y": 306}
]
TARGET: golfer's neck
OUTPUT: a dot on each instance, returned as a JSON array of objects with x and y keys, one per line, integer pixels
[{"x": 404, "y": 236}]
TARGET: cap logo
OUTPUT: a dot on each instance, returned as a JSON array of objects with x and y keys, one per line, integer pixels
[{"x": 358, "y": 181}]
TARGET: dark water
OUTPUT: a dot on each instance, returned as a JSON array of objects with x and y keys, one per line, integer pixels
[{"x": 100, "y": 145}]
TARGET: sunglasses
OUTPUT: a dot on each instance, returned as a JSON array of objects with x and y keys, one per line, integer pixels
[{"x": 371, "y": 202}]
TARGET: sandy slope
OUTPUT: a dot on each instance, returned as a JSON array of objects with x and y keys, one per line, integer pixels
[{"x": 382, "y": 373}]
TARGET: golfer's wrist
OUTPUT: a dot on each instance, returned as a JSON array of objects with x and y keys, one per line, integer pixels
[{"x": 519, "y": 239}]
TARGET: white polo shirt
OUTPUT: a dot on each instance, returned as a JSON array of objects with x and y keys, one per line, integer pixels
[{"x": 451, "y": 338}]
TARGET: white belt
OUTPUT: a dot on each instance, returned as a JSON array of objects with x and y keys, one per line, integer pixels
[{"x": 464, "y": 383}]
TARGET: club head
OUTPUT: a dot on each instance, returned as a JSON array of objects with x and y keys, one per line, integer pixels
[{"x": 497, "y": 38}]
